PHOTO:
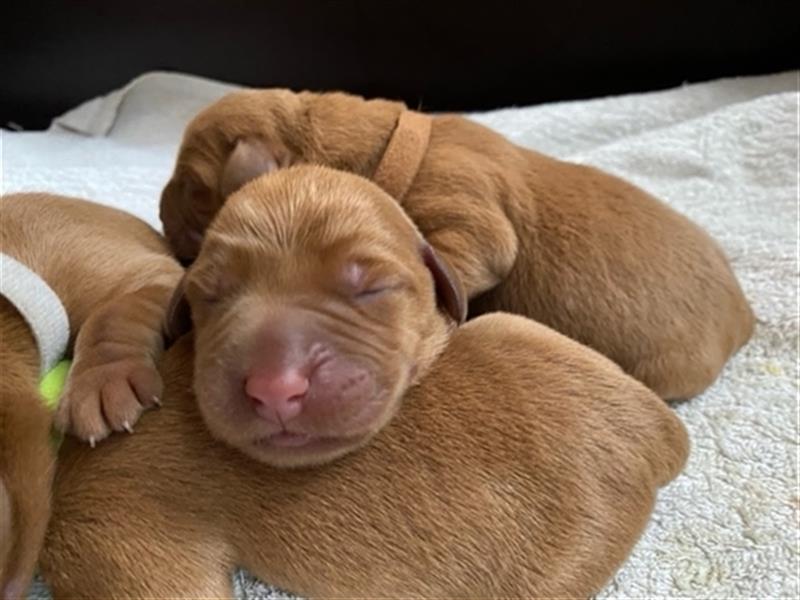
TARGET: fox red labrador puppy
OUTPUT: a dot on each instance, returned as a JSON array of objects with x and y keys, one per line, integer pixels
[
  {"x": 519, "y": 464},
  {"x": 580, "y": 250}
]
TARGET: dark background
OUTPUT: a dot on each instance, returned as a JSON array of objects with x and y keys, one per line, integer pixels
[{"x": 440, "y": 55}]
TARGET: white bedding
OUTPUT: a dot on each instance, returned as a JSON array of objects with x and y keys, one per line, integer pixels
[{"x": 725, "y": 153}]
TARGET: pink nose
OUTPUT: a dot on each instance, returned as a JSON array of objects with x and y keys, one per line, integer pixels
[{"x": 278, "y": 398}]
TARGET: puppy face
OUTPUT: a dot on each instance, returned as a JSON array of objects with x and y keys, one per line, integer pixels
[
  {"x": 252, "y": 132},
  {"x": 316, "y": 304}
]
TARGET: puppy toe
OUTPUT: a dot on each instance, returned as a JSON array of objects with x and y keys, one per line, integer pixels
[
  {"x": 84, "y": 417},
  {"x": 121, "y": 407},
  {"x": 147, "y": 385}
]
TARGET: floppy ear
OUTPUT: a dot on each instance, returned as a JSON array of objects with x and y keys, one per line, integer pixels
[
  {"x": 178, "y": 318},
  {"x": 250, "y": 158},
  {"x": 187, "y": 207},
  {"x": 449, "y": 291}
]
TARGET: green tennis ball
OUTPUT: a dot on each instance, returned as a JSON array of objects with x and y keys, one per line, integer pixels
[{"x": 52, "y": 384}]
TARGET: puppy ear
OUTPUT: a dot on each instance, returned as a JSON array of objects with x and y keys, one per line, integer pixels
[
  {"x": 178, "y": 318},
  {"x": 251, "y": 157},
  {"x": 187, "y": 207},
  {"x": 449, "y": 291}
]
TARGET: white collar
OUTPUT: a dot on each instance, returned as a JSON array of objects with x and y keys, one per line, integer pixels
[{"x": 40, "y": 306}]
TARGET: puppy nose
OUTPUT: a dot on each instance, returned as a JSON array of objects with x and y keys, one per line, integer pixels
[{"x": 278, "y": 397}]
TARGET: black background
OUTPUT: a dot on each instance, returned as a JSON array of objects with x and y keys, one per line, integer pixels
[{"x": 438, "y": 55}]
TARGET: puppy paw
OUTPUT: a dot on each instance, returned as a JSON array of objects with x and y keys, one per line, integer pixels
[{"x": 107, "y": 396}]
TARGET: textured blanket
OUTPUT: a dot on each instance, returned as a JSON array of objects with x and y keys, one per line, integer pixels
[{"x": 725, "y": 153}]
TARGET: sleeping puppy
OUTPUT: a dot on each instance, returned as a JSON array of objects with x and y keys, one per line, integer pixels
[
  {"x": 316, "y": 304},
  {"x": 113, "y": 276},
  {"x": 575, "y": 248},
  {"x": 522, "y": 464}
]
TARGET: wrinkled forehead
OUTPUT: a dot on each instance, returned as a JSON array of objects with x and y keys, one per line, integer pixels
[{"x": 314, "y": 213}]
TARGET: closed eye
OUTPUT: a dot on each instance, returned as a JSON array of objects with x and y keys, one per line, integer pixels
[
  {"x": 371, "y": 293},
  {"x": 377, "y": 290}
]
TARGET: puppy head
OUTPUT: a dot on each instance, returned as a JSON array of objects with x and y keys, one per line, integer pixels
[
  {"x": 249, "y": 133},
  {"x": 316, "y": 304},
  {"x": 245, "y": 128}
]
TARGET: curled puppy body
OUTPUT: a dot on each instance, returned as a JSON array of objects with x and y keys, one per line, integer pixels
[
  {"x": 316, "y": 304},
  {"x": 523, "y": 465},
  {"x": 568, "y": 245},
  {"x": 114, "y": 277}
]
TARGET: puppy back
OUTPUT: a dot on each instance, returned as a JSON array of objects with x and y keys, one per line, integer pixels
[{"x": 557, "y": 373}]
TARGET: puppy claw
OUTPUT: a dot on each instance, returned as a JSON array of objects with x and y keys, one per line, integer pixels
[
  {"x": 157, "y": 401},
  {"x": 127, "y": 427},
  {"x": 92, "y": 442}
]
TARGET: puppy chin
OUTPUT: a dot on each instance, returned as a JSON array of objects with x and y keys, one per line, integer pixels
[
  {"x": 314, "y": 453},
  {"x": 292, "y": 451}
]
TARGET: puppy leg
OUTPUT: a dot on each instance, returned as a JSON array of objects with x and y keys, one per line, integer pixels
[
  {"x": 680, "y": 375},
  {"x": 26, "y": 473},
  {"x": 104, "y": 555},
  {"x": 114, "y": 375},
  {"x": 477, "y": 240},
  {"x": 178, "y": 577}
]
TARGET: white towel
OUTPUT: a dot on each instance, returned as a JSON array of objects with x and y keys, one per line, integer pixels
[{"x": 725, "y": 153}]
